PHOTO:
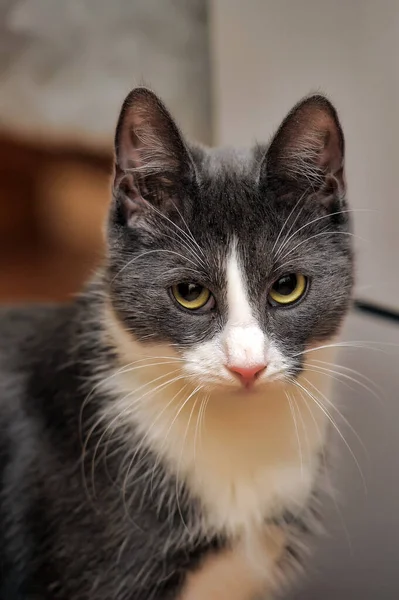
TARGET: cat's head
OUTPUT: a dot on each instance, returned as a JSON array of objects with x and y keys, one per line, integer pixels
[{"x": 235, "y": 263}]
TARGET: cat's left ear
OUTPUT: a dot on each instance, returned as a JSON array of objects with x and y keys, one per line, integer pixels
[
  {"x": 307, "y": 151},
  {"x": 151, "y": 158}
]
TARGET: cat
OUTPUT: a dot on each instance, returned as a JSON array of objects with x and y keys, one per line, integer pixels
[{"x": 163, "y": 435}]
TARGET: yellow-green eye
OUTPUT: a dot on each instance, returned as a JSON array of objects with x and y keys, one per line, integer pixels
[
  {"x": 191, "y": 295},
  {"x": 288, "y": 289}
]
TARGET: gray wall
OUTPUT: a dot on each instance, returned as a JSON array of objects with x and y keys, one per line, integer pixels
[{"x": 65, "y": 66}]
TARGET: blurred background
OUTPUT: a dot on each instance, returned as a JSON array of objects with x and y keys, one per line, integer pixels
[
  {"x": 65, "y": 68},
  {"x": 229, "y": 71}
]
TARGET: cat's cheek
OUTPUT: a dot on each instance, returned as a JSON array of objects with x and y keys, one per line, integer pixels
[
  {"x": 205, "y": 361},
  {"x": 277, "y": 361},
  {"x": 129, "y": 348}
]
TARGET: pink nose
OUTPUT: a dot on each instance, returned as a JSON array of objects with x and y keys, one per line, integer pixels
[{"x": 247, "y": 375}]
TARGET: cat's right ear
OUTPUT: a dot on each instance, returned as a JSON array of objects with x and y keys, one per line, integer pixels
[{"x": 152, "y": 162}]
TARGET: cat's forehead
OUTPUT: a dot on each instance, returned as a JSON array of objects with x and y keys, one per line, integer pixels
[
  {"x": 229, "y": 203},
  {"x": 227, "y": 161}
]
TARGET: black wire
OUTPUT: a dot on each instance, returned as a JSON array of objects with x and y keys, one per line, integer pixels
[{"x": 376, "y": 311}]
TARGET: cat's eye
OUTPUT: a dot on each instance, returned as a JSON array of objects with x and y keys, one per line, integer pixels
[
  {"x": 192, "y": 296},
  {"x": 288, "y": 289}
]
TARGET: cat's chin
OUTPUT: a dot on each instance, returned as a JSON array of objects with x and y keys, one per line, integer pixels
[
  {"x": 260, "y": 388},
  {"x": 246, "y": 391}
]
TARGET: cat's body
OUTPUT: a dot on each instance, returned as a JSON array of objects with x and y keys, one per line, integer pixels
[
  {"x": 57, "y": 539},
  {"x": 151, "y": 451}
]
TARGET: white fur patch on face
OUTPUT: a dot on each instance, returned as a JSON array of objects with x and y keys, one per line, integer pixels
[
  {"x": 242, "y": 344},
  {"x": 240, "y": 312},
  {"x": 243, "y": 339}
]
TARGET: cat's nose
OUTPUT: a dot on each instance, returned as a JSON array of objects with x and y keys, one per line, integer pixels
[{"x": 247, "y": 375}]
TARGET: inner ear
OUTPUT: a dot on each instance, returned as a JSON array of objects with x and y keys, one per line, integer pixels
[
  {"x": 308, "y": 148},
  {"x": 151, "y": 158}
]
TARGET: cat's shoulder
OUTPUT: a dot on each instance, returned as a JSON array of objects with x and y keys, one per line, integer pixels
[
  {"x": 26, "y": 323},
  {"x": 28, "y": 333},
  {"x": 28, "y": 337}
]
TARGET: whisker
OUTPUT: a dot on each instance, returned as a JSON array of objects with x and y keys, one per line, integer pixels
[
  {"x": 171, "y": 425},
  {"x": 186, "y": 241},
  {"x": 350, "y": 370},
  {"x": 159, "y": 415},
  {"x": 290, "y": 404},
  {"x": 197, "y": 427},
  {"x": 338, "y": 212},
  {"x": 298, "y": 409},
  {"x": 116, "y": 373},
  {"x": 189, "y": 235},
  {"x": 142, "y": 443},
  {"x": 316, "y": 235},
  {"x": 130, "y": 262},
  {"x": 361, "y": 345},
  {"x": 335, "y": 378},
  {"x": 350, "y": 378},
  {"x": 203, "y": 424},
  {"x": 286, "y": 221},
  {"x": 339, "y": 413},
  {"x": 186, "y": 246},
  {"x": 326, "y": 474},
  {"x": 333, "y": 423},
  {"x": 121, "y": 414},
  {"x": 189, "y": 232},
  {"x": 147, "y": 366},
  {"x": 179, "y": 463},
  {"x": 135, "y": 403}
]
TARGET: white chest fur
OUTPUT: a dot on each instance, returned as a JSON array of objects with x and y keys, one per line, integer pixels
[{"x": 247, "y": 457}]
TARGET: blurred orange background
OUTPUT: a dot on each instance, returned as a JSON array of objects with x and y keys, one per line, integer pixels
[{"x": 53, "y": 201}]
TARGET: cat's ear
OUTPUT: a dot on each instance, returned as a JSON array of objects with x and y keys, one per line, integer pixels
[
  {"x": 151, "y": 158},
  {"x": 308, "y": 150}
]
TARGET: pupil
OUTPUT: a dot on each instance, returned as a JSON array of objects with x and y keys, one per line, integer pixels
[
  {"x": 286, "y": 285},
  {"x": 190, "y": 291}
]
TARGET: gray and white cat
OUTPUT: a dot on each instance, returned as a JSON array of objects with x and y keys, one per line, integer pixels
[{"x": 163, "y": 435}]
